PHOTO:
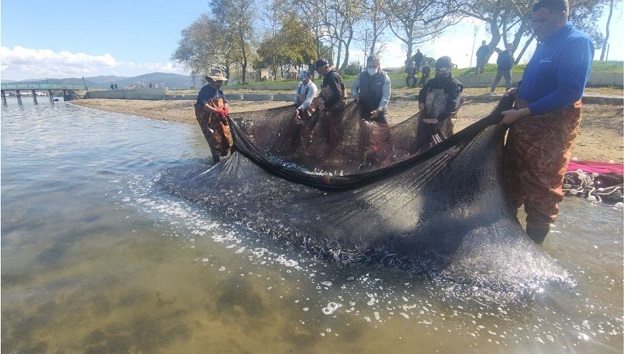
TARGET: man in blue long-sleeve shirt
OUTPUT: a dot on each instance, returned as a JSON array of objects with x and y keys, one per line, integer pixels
[{"x": 546, "y": 117}]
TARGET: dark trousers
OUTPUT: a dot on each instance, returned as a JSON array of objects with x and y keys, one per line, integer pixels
[{"x": 506, "y": 77}]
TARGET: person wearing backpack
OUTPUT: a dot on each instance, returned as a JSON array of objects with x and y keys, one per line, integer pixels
[{"x": 504, "y": 65}]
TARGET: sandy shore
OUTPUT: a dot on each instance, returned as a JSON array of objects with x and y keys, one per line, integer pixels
[{"x": 600, "y": 137}]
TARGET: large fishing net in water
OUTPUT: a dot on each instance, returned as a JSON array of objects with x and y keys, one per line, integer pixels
[{"x": 372, "y": 198}]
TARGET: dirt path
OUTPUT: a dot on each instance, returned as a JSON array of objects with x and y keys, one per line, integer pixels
[{"x": 600, "y": 137}]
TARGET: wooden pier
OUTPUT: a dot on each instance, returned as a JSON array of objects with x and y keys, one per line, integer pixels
[{"x": 68, "y": 90}]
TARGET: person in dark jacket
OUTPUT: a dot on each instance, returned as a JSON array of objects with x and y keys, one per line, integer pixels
[
  {"x": 439, "y": 101},
  {"x": 411, "y": 75},
  {"x": 331, "y": 101},
  {"x": 425, "y": 74},
  {"x": 504, "y": 65},
  {"x": 481, "y": 56},
  {"x": 417, "y": 58}
]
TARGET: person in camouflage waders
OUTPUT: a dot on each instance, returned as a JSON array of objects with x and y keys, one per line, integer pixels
[
  {"x": 211, "y": 112},
  {"x": 439, "y": 101},
  {"x": 372, "y": 92},
  {"x": 546, "y": 116},
  {"x": 330, "y": 102}
]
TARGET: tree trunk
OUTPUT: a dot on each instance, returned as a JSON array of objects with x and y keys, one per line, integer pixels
[
  {"x": 604, "y": 46},
  {"x": 527, "y": 44}
]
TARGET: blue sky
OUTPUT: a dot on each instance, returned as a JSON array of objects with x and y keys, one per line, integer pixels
[
  {"x": 77, "y": 38},
  {"x": 91, "y": 38}
]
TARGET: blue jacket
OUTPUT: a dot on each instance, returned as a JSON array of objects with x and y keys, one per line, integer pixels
[
  {"x": 207, "y": 92},
  {"x": 556, "y": 75}
]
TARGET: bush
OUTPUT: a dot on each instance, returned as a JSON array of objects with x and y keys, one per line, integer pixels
[{"x": 353, "y": 68}]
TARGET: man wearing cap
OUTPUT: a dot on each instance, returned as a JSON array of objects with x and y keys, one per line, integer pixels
[
  {"x": 439, "y": 101},
  {"x": 304, "y": 94},
  {"x": 211, "y": 111},
  {"x": 372, "y": 91},
  {"x": 331, "y": 100},
  {"x": 546, "y": 116}
]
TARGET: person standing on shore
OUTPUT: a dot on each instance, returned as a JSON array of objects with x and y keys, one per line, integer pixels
[
  {"x": 545, "y": 119},
  {"x": 504, "y": 66},
  {"x": 411, "y": 75},
  {"x": 417, "y": 58},
  {"x": 481, "y": 57},
  {"x": 212, "y": 111},
  {"x": 425, "y": 74}
]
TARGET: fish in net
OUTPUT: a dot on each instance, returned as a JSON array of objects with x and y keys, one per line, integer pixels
[{"x": 441, "y": 213}]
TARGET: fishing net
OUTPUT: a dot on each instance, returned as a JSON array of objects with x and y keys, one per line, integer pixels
[
  {"x": 595, "y": 181},
  {"x": 370, "y": 198}
]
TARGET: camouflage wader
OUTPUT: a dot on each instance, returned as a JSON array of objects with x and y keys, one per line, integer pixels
[
  {"x": 332, "y": 117},
  {"x": 374, "y": 145},
  {"x": 215, "y": 129},
  {"x": 429, "y": 135},
  {"x": 536, "y": 156}
]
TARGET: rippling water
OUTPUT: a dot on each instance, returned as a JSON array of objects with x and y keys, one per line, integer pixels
[{"x": 97, "y": 260}]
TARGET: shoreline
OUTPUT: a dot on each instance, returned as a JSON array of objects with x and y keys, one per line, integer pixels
[{"x": 600, "y": 135}]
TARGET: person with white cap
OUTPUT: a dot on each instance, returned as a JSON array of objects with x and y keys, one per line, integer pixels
[{"x": 212, "y": 111}]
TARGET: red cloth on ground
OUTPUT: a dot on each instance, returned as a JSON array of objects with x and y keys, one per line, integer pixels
[{"x": 596, "y": 167}]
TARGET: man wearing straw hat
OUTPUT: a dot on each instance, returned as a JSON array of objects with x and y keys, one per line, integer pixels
[{"x": 211, "y": 111}]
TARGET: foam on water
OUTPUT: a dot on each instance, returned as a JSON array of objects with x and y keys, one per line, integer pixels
[{"x": 377, "y": 296}]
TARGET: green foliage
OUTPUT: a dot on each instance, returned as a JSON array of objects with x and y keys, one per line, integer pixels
[
  {"x": 354, "y": 68},
  {"x": 292, "y": 45},
  {"x": 608, "y": 66},
  {"x": 615, "y": 67}
]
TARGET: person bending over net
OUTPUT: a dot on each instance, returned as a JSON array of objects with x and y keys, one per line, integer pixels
[{"x": 439, "y": 101}]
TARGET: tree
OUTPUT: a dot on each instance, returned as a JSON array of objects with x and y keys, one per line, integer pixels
[
  {"x": 203, "y": 46},
  {"x": 604, "y": 45},
  {"x": 419, "y": 21},
  {"x": 510, "y": 20},
  {"x": 237, "y": 17},
  {"x": 332, "y": 22},
  {"x": 374, "y": 26},
  {"x": 341, "y": 17},
  {"x": 292, "y": 44},
  {"x": 507, "y": 19}
]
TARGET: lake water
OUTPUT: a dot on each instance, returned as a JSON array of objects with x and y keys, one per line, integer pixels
[{"x": 95, "y": 259}]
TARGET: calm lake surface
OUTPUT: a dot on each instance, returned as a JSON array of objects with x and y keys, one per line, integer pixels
[{"x": 95, "y": 259}]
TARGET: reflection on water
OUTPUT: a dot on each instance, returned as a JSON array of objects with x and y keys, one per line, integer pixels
[{"x": 94, "y": 259}]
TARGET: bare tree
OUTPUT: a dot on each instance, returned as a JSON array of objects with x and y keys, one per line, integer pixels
[
  {"x": 604, "y": 46},
  {"x": 340, "y": 23},
  {"x": 419, "y": 21},
  {"x": 374, "y": 25},
  {"x": 510, "y": 20}
]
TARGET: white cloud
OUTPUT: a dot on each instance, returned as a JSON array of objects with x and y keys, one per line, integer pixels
[{"x": 22, "y": 63}]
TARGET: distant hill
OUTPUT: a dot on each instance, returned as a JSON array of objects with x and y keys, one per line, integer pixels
[{"x": 171, "y": 81}]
